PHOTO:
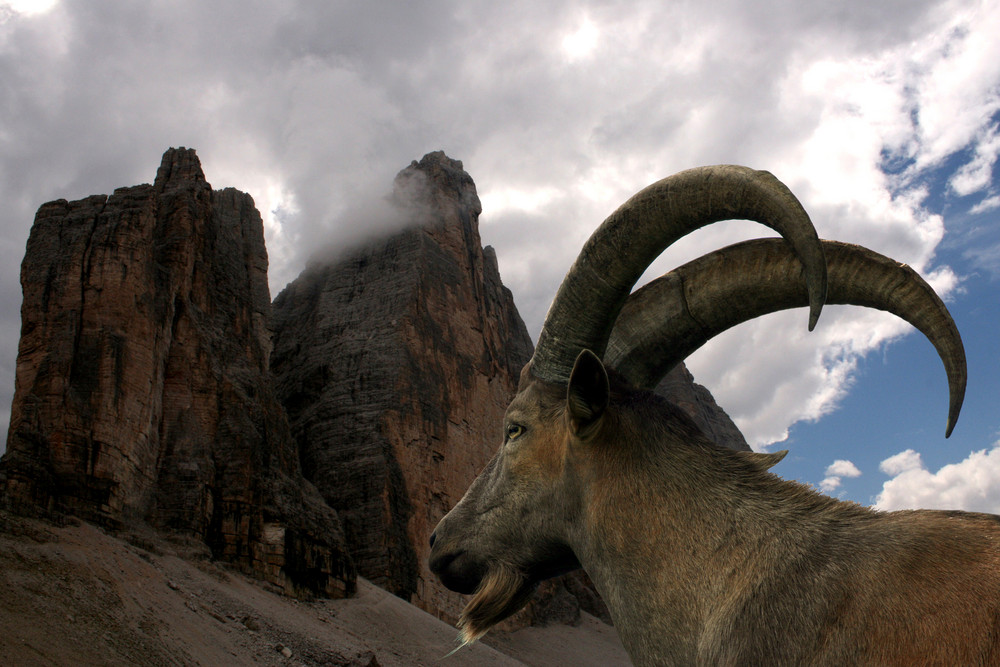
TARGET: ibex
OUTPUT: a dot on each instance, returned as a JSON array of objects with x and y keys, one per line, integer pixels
[{"x": 702, "y": 555}]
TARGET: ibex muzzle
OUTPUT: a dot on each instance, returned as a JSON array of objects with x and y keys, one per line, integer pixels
[{"x": 701, "y": 554}]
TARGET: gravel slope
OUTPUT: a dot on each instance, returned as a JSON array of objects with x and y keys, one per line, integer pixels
[{"x": 74, "y": 595}]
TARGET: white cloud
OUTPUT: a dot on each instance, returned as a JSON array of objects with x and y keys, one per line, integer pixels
[
  {"x": 903, "y": 462},
  {"x": 972, "y": 484},
  {"x": 307, "y": 105},
  {"x": 29, "y": 7},
  {"x": 987, "y": 204},
  {"x": 977, "y": 174},
  {"x": 829, "y": 484},
  {"x": 581, "y": 43},
  {"x": 952, "y": 62},
  {"x": 843, "y": 468},
  {"x": 835, "y": 472}
]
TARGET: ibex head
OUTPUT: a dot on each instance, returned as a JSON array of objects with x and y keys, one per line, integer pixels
[{"x": 584, "y": 434}]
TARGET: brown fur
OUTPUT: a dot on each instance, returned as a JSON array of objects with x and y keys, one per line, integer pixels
[
  {"x": 502, "y": 592},
  {"x": 705, "y": 557}
]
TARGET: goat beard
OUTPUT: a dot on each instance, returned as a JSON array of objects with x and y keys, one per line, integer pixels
[{"x": 502, "y": 592}]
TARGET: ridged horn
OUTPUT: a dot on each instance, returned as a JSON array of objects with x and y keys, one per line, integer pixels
[
  {"x": 595, "y": 288},
  {"x": 669, "y": 318}
]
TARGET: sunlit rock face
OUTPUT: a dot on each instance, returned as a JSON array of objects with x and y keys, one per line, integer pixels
[
  {"x": 395, "y": 362},
  {"x": 143, "y": 391}
]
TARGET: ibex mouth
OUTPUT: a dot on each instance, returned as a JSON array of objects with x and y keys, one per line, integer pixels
[{"x": 458, "y": 571}]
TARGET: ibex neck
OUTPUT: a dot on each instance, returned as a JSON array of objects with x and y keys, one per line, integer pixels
[{"x": 667, "y": 549}]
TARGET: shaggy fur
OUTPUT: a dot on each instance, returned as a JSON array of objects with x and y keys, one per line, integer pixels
[
  {"x": 502, "y": 592},
  {"x": 705, "y": 557}
]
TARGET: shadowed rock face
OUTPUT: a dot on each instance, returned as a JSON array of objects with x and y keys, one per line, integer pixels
[
  {"x": 395, "y": 363},
  {"x": 144, "y": 392},
  {"x": 142, "y": 385},
  {"x": 679, "y": 387}
]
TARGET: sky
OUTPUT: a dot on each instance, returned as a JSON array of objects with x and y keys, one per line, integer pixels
[{"x": 882, "y": 117}]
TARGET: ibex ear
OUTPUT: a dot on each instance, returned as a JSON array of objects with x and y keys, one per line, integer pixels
[
  {"x": 765, "y": 461},
  {"x": 588, "y": 394}
]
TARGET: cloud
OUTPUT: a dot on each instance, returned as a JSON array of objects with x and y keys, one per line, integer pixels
[
  {"x": 947, "y": 67},
  {"x": 27, "y": 7},
  {"x": 905, "y": 461},
  {"x": 560, "y": 111},
  {"x": 972, "y": 484},
  {"x": 987, "y": 204},
  {"x": 835, "y": 472},
  {"x": 977, "y": 174},
  {"x": 843, "y": 468}
]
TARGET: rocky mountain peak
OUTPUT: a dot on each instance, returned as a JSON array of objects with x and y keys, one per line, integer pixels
[
  {"x": 179, "y": 165},
  {"x": 395, "y": 364},
  {"x": 425, "y": 184},
  {"x": 149, "y": 387},
  {"x": 143, "y": 393}
]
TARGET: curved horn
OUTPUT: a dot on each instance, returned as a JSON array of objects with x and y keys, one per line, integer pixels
[
  {"x": 669, "y": 318},
  {"x": 595, "y": 288}
]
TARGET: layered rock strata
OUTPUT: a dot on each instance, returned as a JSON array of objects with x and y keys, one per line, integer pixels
[
  {"x": 142, "y": 386},
  {"x": 395, "y": 363},
  {"x": 144, "y": 392}
]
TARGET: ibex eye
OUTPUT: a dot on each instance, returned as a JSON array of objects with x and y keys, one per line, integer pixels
[{"x": 514, "y": 431}]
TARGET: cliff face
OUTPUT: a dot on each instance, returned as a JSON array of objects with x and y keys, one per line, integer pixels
[
  {"x": 147, "y": 389},
  {"x": 679, "y": 387},
  {"x": 142, "y": 384},
  {"x": 395, "y": 364}
]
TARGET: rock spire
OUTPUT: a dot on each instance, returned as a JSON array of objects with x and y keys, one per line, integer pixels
[{"x": 143, "y": 391}]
